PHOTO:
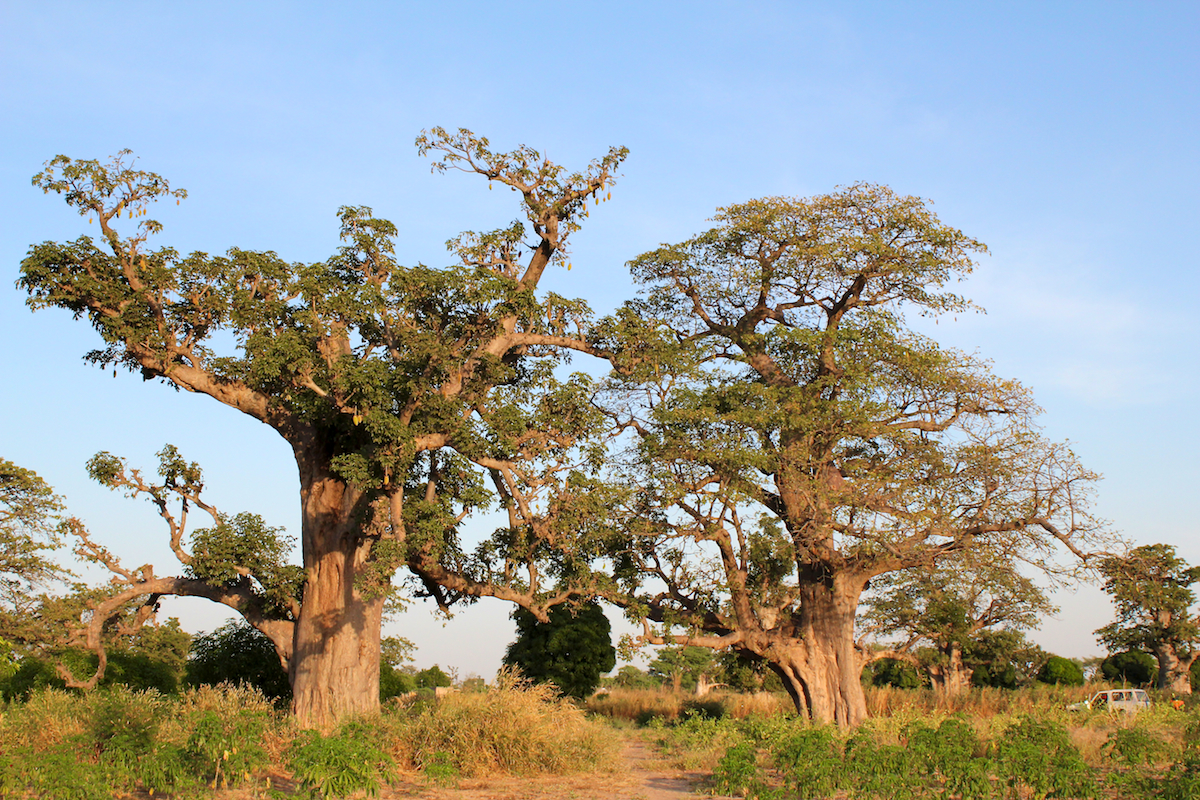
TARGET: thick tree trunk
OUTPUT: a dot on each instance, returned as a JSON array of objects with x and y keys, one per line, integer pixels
[
  {"x": 335, "y": 656},
  {"x": 1174, "y": 673},
  {"x": 820, "y": 667},
  {"x": 952, "y": 677}
]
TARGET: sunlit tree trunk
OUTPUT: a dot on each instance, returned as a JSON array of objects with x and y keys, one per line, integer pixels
[
  {"x": 335, "y": 660},
  {"x": 1174, "y": 673},
  {"x": 952, "y": 677},
  {"x": 821, "y": 668}
]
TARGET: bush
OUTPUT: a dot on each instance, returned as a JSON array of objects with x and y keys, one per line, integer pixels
[
  {"x": 236, "y": 653},
  {"x": 1130, "y": 667},
  {"x": 892, "y": 672},
  {"x": 347, "y": 761},
  {"x": 1060, "y": 671},
  {"x": 1038, "y": 755}
]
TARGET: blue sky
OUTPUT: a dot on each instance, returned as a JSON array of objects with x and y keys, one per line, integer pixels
[{"x": 1064, "y": 135}]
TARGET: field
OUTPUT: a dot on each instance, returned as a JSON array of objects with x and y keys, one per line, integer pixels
[{"x": 519, "y": 742}]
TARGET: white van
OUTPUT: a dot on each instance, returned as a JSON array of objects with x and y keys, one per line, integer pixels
[{"x": 1127, "y": 700}]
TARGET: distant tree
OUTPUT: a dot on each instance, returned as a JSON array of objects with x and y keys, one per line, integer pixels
[
  {"x": 949, "y": 608},
  {"x": 683, "y": 665},
  {"x": 572, "y": 650},
  {"x": 1059, "y": 671},
  {"x": 394, "y": 680},
  {"x": 1130, "y": 667},
  {"x": 433, "y": 678},
  {"x": 630, "y": 677},
  {"x": 893, "y": 672},
  {"x": 29, "y": 518},
  {"x": 237, "y": 653},
  {"x": 1004, "y": 659},
  {"x": 1152, "y": 590}
]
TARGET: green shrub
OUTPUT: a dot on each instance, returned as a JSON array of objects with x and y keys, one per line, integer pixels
[
  {"x": 1061, "y": 671},
  {"x": 1130, "y": 667},
  {"x": 236, "y": 653},
  {"x": 737, "y": 772},
  {"x": 1037, "y": 756},
  {"x": 347, "y": 761},
  {"x": 810, "y": 761}
]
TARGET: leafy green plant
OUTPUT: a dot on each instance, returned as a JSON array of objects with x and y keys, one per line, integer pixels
[
  {"x": 225, "y": 750},
  {"x": 810, "y": 761},
  {"x": 1036, "y": 757},
  {"x": 342, "y": 763},
  {"x": 440, "y": 768},
  {"x": 878, "y": 770},
  {"x": 738, "y": 773}
]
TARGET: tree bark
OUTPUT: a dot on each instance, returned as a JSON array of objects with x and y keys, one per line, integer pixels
[
  {"x": 821, "y": 667},
  {"x": 335, "y": 657},
  {"x": 1174, "y": 673},
  {"x": 952, "y": 677}
]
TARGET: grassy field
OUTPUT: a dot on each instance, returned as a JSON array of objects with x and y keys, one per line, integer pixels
[{"x": 520, "y": 741}]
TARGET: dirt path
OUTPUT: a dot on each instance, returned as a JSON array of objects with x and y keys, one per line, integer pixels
[{"x": 645, "y": 777}]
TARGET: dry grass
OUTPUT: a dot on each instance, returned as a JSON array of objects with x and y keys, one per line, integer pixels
[{"x": 515, "y": 728}]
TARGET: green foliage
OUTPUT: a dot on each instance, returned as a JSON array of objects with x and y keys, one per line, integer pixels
[
  {"x": 1037, "y": 756},
  {"x": 810, "y": 761},
  {"x": 630, "y": 677},
  {"x": 572, "y": 650},
  {"x": 737, "y": 773},
  {"x": 1061, "y": 671},
  {"x": 682, "y": 664},
  {"x": 1004, "y": 659},
  {"x": 342, "y": 763},
  {"x": 1132, "y": 667},
  {"x": 892, "y": 672},
  {"x": 1152, "y": 590},
  {"x": 236, "y": 653},
  {"x": 152, "y": 660},
  {"x": 226, "y": 749},
  {"x": 29, "y": 517},
  {"x": 432, "y": 678},
  {"x": 224, "y": 554},
  {"x": 394, "y": 683}
]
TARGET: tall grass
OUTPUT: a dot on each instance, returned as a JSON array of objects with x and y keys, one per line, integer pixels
[{"x": 515, "y": 728}]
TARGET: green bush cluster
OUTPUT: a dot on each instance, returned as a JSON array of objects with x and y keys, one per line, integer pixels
[
  {"x": 118, "y": 740},
  {"x": 1031, "y": 757}
]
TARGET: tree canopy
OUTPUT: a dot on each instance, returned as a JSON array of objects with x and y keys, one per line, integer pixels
[
  {"x": 410, "y": 395},
  {"x": 796, "y": 439},
  {"x": 571, "y": 650},
  {"x": 1152, "y": 590}
]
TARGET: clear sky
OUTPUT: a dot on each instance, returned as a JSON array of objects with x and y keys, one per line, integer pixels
[{"x": 1064, "y": 135}]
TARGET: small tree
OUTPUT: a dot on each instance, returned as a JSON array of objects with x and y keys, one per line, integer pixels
[
  {"x": 1059, "y": 671},
  {"x": 237, "y": 653},
  {"x": 948, "y": 608},
  {"x": 1152, "y": 590},
  {"x": 683, "y": 665},
  {"x": 571, "y": 650},
  {"x": 1132, "y": 666}
]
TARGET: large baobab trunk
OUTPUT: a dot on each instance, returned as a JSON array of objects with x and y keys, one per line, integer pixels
[
  {"x": 951, "y": 677},
  {"x": 820, "y": 666},
  {"x": 334, "y": 668},
  {"x": 1174, "y": 673}
]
